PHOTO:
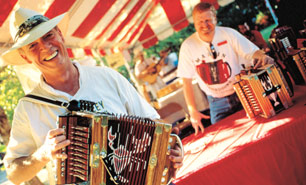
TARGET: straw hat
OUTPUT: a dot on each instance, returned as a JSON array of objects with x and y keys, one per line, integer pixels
[{"x": 26, "y": 26}]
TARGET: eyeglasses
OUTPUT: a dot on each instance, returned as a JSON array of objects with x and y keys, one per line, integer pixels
[{"x": 213, "y": 50}]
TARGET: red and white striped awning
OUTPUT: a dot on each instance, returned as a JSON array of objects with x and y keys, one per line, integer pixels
[{"x": 99, "y": 27}]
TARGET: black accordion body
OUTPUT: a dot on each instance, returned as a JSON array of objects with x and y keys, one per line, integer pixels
[
  {"x": 110, "y": 149},
  {"x": 262, "y": 92}
]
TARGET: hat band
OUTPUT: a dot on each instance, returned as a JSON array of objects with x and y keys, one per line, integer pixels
[{"x": 29, "y": 24}]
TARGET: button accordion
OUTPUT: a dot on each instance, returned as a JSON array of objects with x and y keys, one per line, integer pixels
[
  {"x": 111, "y": 149},
  {"x": 263, "y": 91},
  {"x": 284, "y": 46},
  {"x": 300, "y": 59}
]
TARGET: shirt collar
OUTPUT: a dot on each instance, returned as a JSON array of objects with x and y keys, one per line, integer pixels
[{"x": 56, "y": 92}]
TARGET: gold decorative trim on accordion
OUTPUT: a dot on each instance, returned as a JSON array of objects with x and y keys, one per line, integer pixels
[
  {"x": 262, "y": 92},
  {"x": 110, "y": 149}
]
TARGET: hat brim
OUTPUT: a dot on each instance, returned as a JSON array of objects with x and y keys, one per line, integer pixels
[{"x": 12, "y": 57}]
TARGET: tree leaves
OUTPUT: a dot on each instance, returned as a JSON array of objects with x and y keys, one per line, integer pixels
[{"x": 10, "y": 91}]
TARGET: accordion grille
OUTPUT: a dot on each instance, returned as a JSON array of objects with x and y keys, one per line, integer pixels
[{"x": 113, "y": 149}]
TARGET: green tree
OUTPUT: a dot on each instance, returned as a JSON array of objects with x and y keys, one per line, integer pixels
[
  {"x": 10, "y": 90},
  {"x": 243, "y": 11},
  {"x": 174, "y": 41}
]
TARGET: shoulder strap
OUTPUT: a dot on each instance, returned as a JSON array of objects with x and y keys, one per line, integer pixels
[
  {"x": 73, "y": 105},
  {"x": 43, "y": 99}
]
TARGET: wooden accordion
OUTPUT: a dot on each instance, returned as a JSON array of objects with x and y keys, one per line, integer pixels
[
  {"x": 284, "y": 47},
  {"x": 111, "y": 149},
  {"x": 263, "y": 91},
  {"x": 300, "y": 59}
]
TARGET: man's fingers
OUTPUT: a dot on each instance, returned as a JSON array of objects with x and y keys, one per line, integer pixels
[
  {"x": 198, "y": 125},
  {"x": 263, "y": 61},
  {"x": 176, "y": 157},
  {"x": 196, "y": 128},
  {"x": 175, "y": 152},
  {"x": 61, "y": 145},
  {"x": 258, "y": 64},
  {"x": 55, "y": 132},
  {"x": 57, "y": 152},
  {"x": 270, "y": 60},
  {"x": 177, "y": 165},
  {"x": 205, "y": 116},
  {"x": 175, "y": 130},
  {"x": 202, "y": 128},
  {"x": 58, "y": 139},
  {"x": 61, "y": 156}
]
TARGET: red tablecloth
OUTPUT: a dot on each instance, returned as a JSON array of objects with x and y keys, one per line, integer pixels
[{"x": 240, "y": 151}]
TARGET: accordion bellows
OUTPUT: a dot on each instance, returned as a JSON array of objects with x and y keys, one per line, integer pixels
[
  {"x": 263, "y": 92},
  {"x": 111, "y": 149}
]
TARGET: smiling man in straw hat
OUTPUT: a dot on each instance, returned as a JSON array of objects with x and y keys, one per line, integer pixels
[{"x": 35, "y": 139}]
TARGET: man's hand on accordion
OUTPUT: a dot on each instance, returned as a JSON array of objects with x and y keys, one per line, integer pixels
[
  {"x": 262, "y": 59},
  {"x": 176, "y": 153},
  {"x": 54, "y": 142},
  {"x": 176, "y": 156}
]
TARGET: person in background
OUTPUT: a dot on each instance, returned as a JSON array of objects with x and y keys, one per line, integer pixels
[
  {"x": 171, "y": 62},
  {"x": 254, "y": 36},
  {"x": 35, "y": 139},
  {"x": 172, "y": 59},
  {"x": 211, "y": 56},
  {"x": 147, "y": 71}
]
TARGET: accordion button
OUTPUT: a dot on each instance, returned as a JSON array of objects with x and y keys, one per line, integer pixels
[
  {"x": 168, "y": 151},
  {"x": 165, "y": 171},
  {"x": 103, "y": 154},
  {"x": 163, "y": 179},
  {"x": 153, "y": 160},
  {"x": 62, "y": 174}
]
